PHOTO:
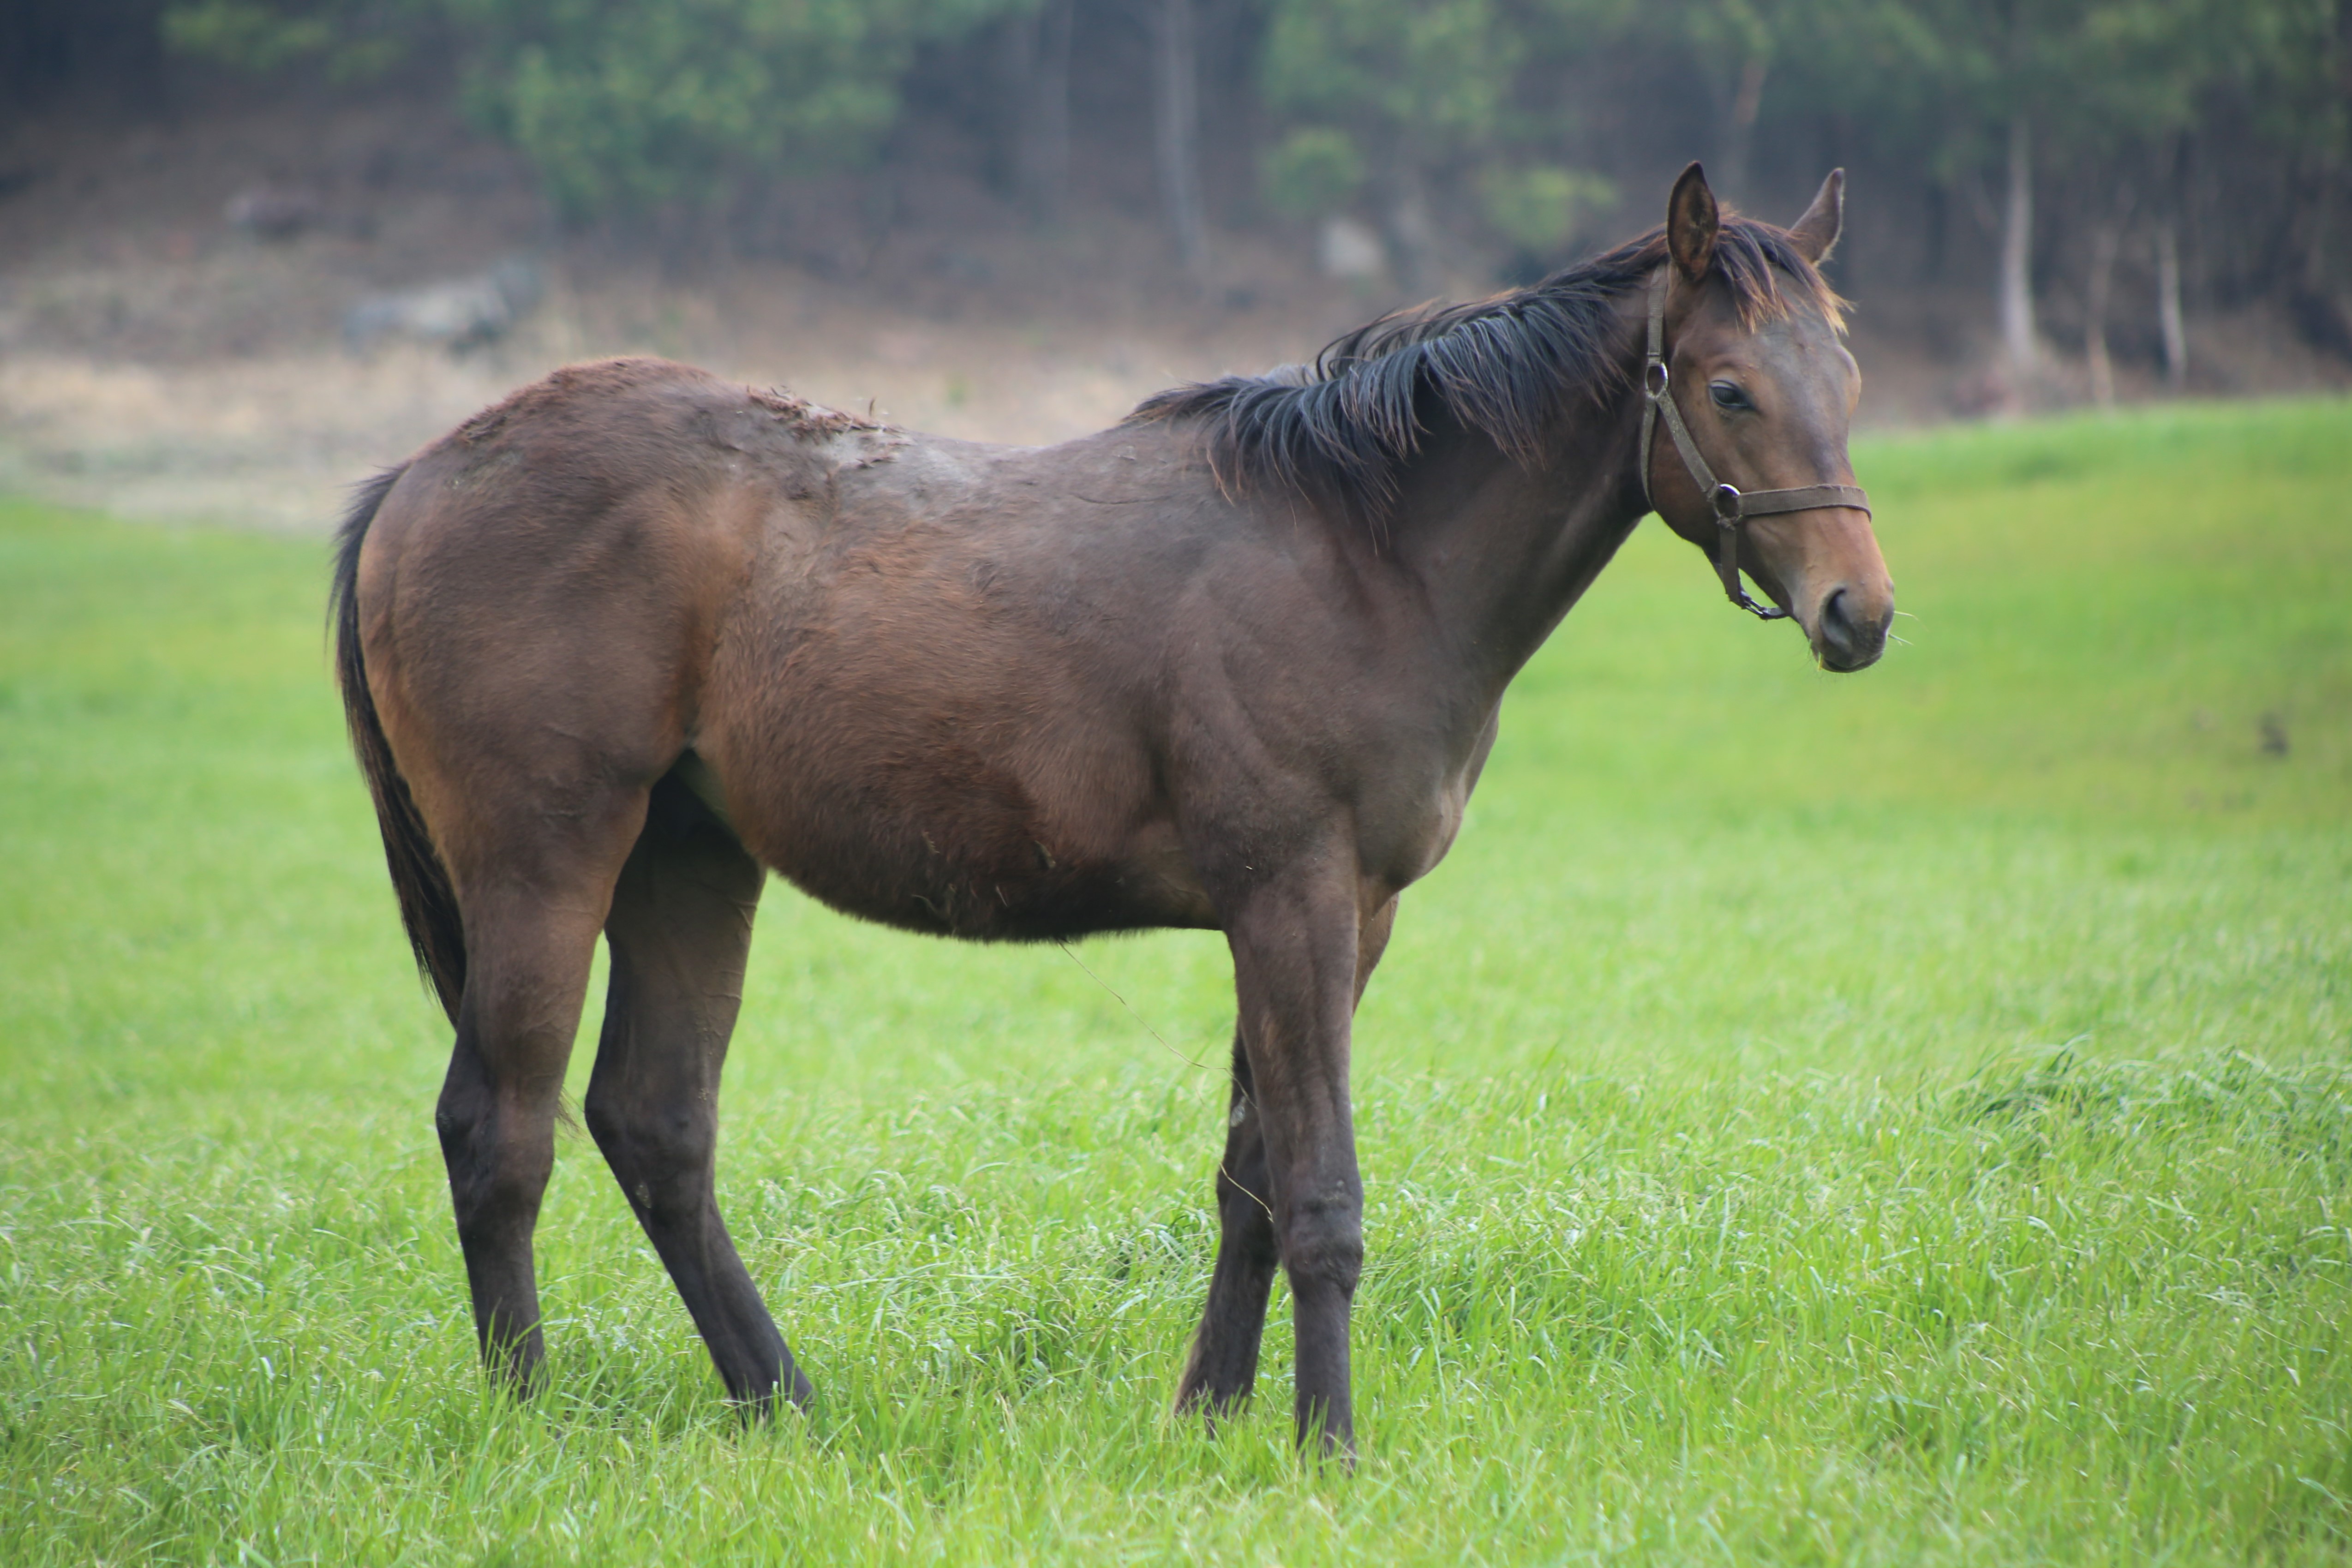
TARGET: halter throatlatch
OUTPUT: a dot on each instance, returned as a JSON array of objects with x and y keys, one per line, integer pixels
[{"x": 1732, "y": 507}]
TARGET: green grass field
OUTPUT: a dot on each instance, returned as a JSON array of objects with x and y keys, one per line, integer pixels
[{"x": 1902, "y": 1118}]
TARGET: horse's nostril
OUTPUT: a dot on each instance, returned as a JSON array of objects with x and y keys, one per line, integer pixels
[{"x": 1836, "y": 629}]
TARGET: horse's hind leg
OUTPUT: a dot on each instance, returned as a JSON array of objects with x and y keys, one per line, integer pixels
[
  {"x": 680, "y": 929},
  {"x": 532, "y": 915}
]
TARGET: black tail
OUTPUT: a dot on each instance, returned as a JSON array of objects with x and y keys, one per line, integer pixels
[{"x": 428, "y": 904}]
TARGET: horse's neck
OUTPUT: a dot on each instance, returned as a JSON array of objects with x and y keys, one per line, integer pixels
[{"x": 1502, "y": 549}]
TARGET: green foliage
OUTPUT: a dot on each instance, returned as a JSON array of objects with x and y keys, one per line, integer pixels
[
  {"x": 1312, "y": 171},
  {"x": 2093, "y": 77},
  {"x": 1737, "y": 30},
  {"x": 2290, "y": 61},
  {"x": 1419, "y": 77},
  {"x": 1733, "y": 1194},
  {"x": 1444, "y": 112},
  {"x": 626, "y": 104},
  {"x": 1539, "y": 206},
  {"x": 348, "y": 40},
  {"x": 1424, "y": 86},
  {"x": 246, "y": 33}
]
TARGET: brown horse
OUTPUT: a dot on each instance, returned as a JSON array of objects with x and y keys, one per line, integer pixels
[{"x": 614, "y": 647}]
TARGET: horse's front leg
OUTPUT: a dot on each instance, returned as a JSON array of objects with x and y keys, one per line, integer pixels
[
  {"x": 1222, "y": 1370},
  {"x": 1299, "y": 943}
]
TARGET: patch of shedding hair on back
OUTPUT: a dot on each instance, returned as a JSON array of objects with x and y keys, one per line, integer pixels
[{"x": 1338, "y": 431}]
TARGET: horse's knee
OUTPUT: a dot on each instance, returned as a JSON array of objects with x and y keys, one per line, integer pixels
[{"x": 1325, "y": 1245}]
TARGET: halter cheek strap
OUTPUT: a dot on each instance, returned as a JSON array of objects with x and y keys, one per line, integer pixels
[{"x": 1732, "y": 507}]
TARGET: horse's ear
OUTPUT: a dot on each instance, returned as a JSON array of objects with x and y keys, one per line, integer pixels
[
  {"x": 1817, "y": 232},
  {"x": 1691, "y": 223}
]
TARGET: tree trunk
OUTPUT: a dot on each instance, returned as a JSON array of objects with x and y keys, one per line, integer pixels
[
  {"x": 2323, "y": 316},
  {"x": 1739, "y": 136},
  {"x": 2168, "y": 302},
  {"x": 1176, "y": 125},
  {"x": 2314, "y": 202},
  {"x": 2104, "y": 241},
  {"x": 2020, "y": 342},
  {"x": 2107, "y": 239},
  {"x": 1038, "y": 75}
]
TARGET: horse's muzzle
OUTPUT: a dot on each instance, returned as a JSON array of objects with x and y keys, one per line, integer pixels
[{"x": 1849, "y": 632}]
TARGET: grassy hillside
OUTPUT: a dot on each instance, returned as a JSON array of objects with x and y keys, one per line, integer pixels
[{"x": 1885, "y": 1119}]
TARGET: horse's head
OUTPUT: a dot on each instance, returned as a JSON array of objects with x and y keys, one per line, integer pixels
[{"x": 1751, "y": 464}]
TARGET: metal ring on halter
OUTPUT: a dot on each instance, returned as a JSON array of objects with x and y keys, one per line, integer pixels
[{"x": 1727, "y": 500}]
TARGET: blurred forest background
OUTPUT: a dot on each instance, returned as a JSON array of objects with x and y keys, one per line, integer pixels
[{"x": 249, "y": 247}]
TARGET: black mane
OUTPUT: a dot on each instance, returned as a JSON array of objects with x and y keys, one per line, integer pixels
[{"x": 1338, "y": 431}]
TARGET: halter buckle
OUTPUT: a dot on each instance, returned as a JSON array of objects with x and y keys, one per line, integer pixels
[
  {"x": 1655, "y": 377},
  {"x": 1726, "y": 500}
]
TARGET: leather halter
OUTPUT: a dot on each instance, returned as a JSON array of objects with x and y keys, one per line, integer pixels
[{"x": 1732, "y": 507}]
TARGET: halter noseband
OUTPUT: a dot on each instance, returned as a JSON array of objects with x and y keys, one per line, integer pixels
[{"x": 1732, "y": 507}]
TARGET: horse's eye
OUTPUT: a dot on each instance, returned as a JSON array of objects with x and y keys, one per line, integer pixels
[{"x": 1727, "y": 395}]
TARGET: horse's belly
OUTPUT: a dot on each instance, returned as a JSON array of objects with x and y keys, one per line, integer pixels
[
  {"x": 942, "y": 888},
  {"x": 972, "y": 855}
]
